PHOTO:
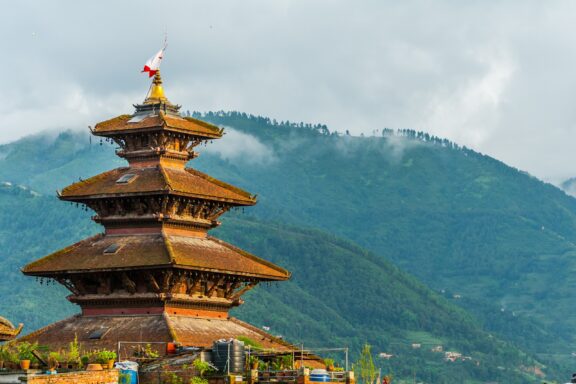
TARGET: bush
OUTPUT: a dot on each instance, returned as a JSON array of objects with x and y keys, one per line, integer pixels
[{"x": 25, "y": 350}]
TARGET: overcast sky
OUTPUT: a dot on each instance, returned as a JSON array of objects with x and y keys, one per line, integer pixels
[{"x": 497, "y": 76}]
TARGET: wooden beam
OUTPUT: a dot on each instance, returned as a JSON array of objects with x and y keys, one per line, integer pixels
[
  {"x": 128, "y": 283},
  {"x": 166, "y": 280},
  {"x": 231, "y": 288},
  {"x": 242, "y": 291},
  {"x": 191, "y": 283},
  {"x": 213, "y": 287},
  {"x": 152, "y": 282}
]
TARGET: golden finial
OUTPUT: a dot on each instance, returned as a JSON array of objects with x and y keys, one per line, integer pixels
[{"x": 156, "y": 93}]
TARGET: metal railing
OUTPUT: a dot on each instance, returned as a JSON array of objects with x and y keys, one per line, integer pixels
[{"x": 288, "y": 376}]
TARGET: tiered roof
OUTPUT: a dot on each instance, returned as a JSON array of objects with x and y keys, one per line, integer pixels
[
  {"x": 7, "y": 330},
  {"x": 156, "y": 251},
  {"x": 198, "y": 332},
  {"x": 155, "y": 274},
  {"x": 154, "y": 122},
  {"x": 157, "y": 180}
]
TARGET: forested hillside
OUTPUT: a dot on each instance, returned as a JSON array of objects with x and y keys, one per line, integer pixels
[
  {"x": 487, "y": 237},
  {"x": 340, "y": 295}
]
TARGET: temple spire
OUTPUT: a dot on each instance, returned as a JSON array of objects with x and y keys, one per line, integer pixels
[{"x": 156, "y": 93}]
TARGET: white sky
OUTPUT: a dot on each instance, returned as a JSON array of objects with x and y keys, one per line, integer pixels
[{"x": 497, "y": 76}]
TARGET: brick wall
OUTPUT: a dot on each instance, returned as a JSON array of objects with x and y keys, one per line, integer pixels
[{"x": 84, "y": 377}]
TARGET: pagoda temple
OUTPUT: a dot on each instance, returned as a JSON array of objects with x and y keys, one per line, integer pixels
[{"x": 154, "y": 274}]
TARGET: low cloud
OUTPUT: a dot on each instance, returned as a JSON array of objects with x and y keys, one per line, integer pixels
[
  {"x": 469, "y": 113},
  {"x": 240, "y": 146},
  {"x": 494, "y": 76}
]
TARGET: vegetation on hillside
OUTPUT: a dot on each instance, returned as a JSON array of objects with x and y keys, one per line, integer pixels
[{"x": 487, "y": 237}]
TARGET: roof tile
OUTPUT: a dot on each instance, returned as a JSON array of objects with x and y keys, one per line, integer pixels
[
  {"x": 158, "y": 179},
  {"x": 155, "y": 250},
  {"x": 189, "y": 125}
]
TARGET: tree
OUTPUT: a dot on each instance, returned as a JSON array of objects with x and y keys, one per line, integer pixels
[{"x": 364, "y": 367}]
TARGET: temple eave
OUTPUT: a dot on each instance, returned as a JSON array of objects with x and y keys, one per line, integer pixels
[
  {"x": 66, "y": 272},
  {"x": 87, "y": 198}
]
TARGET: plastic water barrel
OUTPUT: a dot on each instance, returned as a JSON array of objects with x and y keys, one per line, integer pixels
[
  {"x": 128, "y": 371},
  {"x": 229, "y": 352}
]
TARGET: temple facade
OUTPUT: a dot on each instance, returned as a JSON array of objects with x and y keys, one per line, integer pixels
[{"x": 154, "y": 274}]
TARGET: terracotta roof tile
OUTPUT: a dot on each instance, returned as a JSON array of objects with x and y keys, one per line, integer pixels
[
  {"x": 88, "y": 254},
  {"x": 203, "y": 332},
  {"x": 155, "y": 180},
  {"x": 212, "y": 254},
  {"x": 189, "y": 331},
  {"x": 122, "y": 124},
  {"x": 120, "y": 328},
  {"x": 155, "y": 250}
]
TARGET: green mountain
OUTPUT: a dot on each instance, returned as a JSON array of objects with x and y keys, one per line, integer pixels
[
  {"x": 488, "y": 237},
  {"x": 340, "y": 295}
]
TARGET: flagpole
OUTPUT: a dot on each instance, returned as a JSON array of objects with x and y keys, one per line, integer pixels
[{"x": 149, "y": 88}]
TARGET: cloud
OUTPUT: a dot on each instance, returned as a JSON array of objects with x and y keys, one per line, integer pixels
[
  {"x": 468, "y": 113},
  {"x": 495, "y": 76},
  {"x": 240, "y": 146}
]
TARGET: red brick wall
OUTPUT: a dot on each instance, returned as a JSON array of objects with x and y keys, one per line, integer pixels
[{"x": 85, "y": 377}]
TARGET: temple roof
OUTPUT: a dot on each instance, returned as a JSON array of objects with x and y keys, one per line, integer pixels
[
  {"x": 155, "y": 121},
  {"x": 7, "y": 329},
  {"x": 186, "y": 330},
  {"x": 157, "y": 180},
  {"x": 155, "y": 251}
]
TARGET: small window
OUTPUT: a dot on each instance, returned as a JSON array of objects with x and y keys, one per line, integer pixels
[
  {"x": 125, "y": 179},
  {"x": 99, "y": 333},
  {"x": 112, "y": 248}
]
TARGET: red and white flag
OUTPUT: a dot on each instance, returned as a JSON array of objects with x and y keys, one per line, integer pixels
[{"x": 153, "y": 64}]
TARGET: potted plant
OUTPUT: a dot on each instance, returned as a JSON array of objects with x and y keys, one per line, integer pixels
[
  {"x": 85, "y": 360},
  {"x": 287, "y": 362},
  {"x": 253, "y": 362},
  {"x": 264, "y": 367},
  {"x": 107, "y": 358},
  {"x": 12, "y": 362},
  {"x": 329, "y": 364},
  {"x": 4, "y": 355},
  {"x": 53, "y": 361},
  {"x": 74, "y": 353},
  {"x": 202, "y": 367},
  {"x": 26, "y": 354}
]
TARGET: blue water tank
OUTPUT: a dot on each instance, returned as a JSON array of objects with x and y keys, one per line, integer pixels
[
  {"x": 319, "y": 375},
  {"x": 128, "y": 372}
]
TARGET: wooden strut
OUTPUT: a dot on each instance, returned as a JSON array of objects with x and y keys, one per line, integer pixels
[
  {"x": 198, "y": 210},
  {"x": 120, "y": 209},
  {"x": 105, "y": 282},
  {"x": 179, "y": 282},
  {"x": 231, "y": 288},
  {"x": 183, "y": 207},
  {"x": 213, "y": 215},
  {"x": 245, "y": 289},
  {"x": 166, "y": 281},
  {"x": 128, "y": 283},
  {"x": 69, "y": 285},
  {"x": 191, "y": 283},
  {"x": 213, "y": 287},
  {"x": 152, "y": 282}
]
